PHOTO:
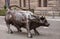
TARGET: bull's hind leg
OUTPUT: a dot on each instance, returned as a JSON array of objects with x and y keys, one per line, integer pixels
[
  {"x": 9, "y": 30},
  {"x": 36, "y": 32}
]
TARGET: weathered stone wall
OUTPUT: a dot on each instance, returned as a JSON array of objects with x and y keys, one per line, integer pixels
[
  {"x": 33, "y": 3},
  {"x": 14, "y": 2},
  {"x": 51, "y": 5},
  {"x": 2, "y": 3}
]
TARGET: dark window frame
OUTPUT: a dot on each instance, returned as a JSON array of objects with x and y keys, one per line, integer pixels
[
  {"x": 39, "y": 3},
  {"x": 24, "y": 3},
  {"x": 20, "y": 3},
  {"x": 44, "y": 3}
]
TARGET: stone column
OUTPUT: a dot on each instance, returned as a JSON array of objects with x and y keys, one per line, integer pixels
[{"x": 41, "y": 3}]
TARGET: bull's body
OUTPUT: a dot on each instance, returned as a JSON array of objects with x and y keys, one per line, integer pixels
[{"x": 22, "y": 19}]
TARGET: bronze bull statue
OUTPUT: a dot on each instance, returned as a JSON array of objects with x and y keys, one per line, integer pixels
[{"x": 25, "y": 19}]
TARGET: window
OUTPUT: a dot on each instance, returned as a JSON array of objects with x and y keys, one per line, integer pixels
[
  {"x": 45, "y": 3},
  {"x": 39, "y": 3},
  {"x": 20, "y": 2},
  {"x": 42, "y": 3},
  {"x": 24, "y": 3}
]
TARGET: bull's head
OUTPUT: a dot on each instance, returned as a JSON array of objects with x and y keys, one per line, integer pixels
[{"x": 44, "y": 22}]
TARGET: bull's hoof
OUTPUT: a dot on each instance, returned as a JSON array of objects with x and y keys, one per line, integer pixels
[
  {"x": 19, "y": 30},
  {"x": 29, "y": 36}
]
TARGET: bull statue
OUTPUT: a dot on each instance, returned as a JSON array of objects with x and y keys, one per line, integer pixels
[{"x": 25, "y": 19}]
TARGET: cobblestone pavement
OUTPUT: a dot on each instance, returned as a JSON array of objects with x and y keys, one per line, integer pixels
[{"x": 53, "y": 32}]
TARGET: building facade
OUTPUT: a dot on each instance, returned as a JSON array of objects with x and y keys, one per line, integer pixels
[
  {"x": 2, "y": 3},
  {"x": 39, "y": 6}
]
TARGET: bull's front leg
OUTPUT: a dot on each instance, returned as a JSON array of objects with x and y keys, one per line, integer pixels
[
  {"x": 36, "y": 32},
  {"x": 9, "y": 30},
  {"x": 28, "y": 29}
]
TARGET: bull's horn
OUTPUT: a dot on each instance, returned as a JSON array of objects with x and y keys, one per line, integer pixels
[{"x": 45, "y": 27}]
